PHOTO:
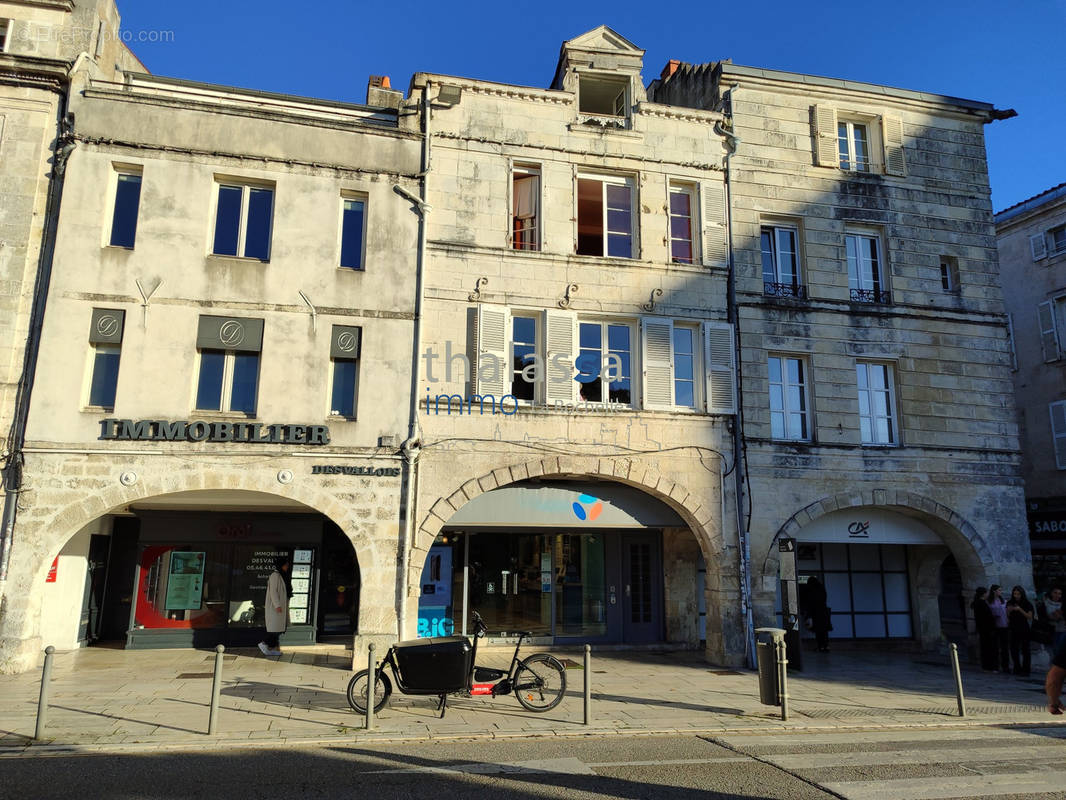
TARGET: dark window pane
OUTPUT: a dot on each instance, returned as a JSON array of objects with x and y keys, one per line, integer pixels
[
  {"x": 619, "y": 197},
  {"x": 618, "y": 220},
  {"x": 618, "y": 337},
  {"x": 683, "y": 367},
  {"x": 769, "y": 274},
  {"x": 105, "y": 377},
  {"x": 257, "y": 240},
  {"x": 127, "y": 199},
  {"x": 588, "y": 364},
  {"x": 209, "y": 388},
  {"x": 590, "y": 334},
  {"x": 352, "y": 235},
  {"x": 684, "y": 394},
  {"x": 343, "y": 401},
  {"x": 620, "y": 246},
  {"x": 228, "y": 221},
  {"x": 680, "y": 204},
  {"x": 679, "y": 228},
  {"x": 524, "y": 330},
  {"x": 245, "y": 381}
]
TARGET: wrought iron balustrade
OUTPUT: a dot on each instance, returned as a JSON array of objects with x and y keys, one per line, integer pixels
[
  {"x": 796, "y": 290},
  {"x": 880, "y": 296}
]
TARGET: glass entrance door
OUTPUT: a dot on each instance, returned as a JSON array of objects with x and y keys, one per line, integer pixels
[
  {"x": 511, "y": 582},
  {"x": 580, "y": 596}
]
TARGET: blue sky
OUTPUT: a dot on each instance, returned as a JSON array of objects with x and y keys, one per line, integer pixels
[{"x": 1008, "y": 54}]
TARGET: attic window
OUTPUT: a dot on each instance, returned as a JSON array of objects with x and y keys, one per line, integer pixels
[{"x": 603, "y": 100}]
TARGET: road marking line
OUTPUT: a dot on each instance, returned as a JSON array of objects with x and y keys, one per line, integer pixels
[
  {"x": 977, "y": 753},
  {"x": 566, "y": 766},
  {"x": 951, "y": 787},
  {"x": 898, "y": 735},
  {"x": 671, "y": 761}
]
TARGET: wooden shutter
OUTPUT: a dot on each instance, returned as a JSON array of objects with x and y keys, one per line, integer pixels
[
  {"x": 715, "y": 223},
  {"x": 1049, "y": 338},
  {"x": 824, "y": 131},
  {"x": 1038, "y": 246},
  {"x": 1058, "y": 432},
  {"x": 560, "y": 345},
  {"x": 492, "y": 372},
  {"x": 657, "y": 339},
  {"x": 720, "y": 367},
  {"x": 892, "y": 135}
]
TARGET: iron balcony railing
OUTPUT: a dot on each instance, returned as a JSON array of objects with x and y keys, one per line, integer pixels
[
  {"x": 871, "y": 296},
  {"x": 795, "y": 290}
]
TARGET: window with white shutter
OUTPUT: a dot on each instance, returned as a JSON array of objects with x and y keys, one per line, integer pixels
[
  {"x": 1057, "y": 240},
  {"x": 559, "y": 338},
  {"x": 658, "y": 362},
  {"x": 1058, "y": 432},
  {"x": 492, "y": 372},
  {"x": 892, "y": 136},
  {"x": 720, "y": 364},
  {"x": 1049, "y": 339},
  {"x": 715, "y": 223},
  {"x": 1038, "y": 246}
]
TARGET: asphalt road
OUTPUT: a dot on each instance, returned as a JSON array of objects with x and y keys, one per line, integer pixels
[{"x": 900, "y": 764}]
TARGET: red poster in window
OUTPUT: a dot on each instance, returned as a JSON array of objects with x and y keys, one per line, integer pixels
[{"x": 52, "y": 571}]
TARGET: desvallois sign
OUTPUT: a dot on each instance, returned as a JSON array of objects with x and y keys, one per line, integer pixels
[{"x": 159, "y": 430}]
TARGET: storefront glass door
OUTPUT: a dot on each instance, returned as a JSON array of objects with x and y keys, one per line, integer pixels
[
  {"x": 580, "y": 596},
  {"x": 511, "y": 583}
]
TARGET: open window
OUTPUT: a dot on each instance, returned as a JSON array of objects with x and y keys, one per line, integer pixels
[
  {"x": 603, "y": 100},
  {"x": 605, "y": 218},
  {"x": 525, "y": 207}
]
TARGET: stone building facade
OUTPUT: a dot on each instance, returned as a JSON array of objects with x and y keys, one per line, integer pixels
[
  {"x": 1032, "y": 250},
  {"x": 875, "y": 385}
]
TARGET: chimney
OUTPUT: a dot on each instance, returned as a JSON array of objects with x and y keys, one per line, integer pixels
[
  {"x": 669, "y": 69},
  {"x": 380, "y": 94}
]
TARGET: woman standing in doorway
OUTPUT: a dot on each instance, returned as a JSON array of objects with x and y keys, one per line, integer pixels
[
  {"x": 999, "y": 614},
  {"x": 276, "y": 607},
  {"x": 986, "y": 630},
  {"x": 1019, "y": 615},
  {"x": 818, "y": 614}
]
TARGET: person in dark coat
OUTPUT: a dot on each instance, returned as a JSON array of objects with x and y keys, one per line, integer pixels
[
  {"x": 986, "y": 630},
  {"x": 817, "y": 613},
  {"x": 1019, "y": 616}
]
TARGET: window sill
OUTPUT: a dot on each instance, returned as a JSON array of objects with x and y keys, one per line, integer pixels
[
  {"x": 97, "y": 410},
  {"x": 340, "y": 418},
  {"x": 242, "y": 259},
  {"x": 119, "y": 247},
  {"x": 342, "y": 268},
  {"x": 879, "y": 446},
  {"x": 236, "y": 416}
]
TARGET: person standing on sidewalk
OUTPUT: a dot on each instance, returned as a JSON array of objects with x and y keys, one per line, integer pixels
[
  {"x": 818, "y": 614},
  {"x": 999, "y": 614},
  {"x": 276, "y": 607},
  {"x": 1052, "y": 607},
  {"x": 986, "y": 629},
  {"x": 1019, "y": 615},
  {"x": 1053, "y": 682}
]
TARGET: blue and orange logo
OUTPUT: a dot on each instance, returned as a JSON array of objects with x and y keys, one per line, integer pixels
[{"x": 594, "y": 510}]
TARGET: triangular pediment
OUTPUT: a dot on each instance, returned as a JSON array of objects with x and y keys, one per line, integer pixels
[{"x": 602, "y": 38}]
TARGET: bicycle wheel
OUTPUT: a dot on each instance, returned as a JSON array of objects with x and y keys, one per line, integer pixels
[
  {"x": 540, "y": 682},
  {"x": 357, "y": 691}
]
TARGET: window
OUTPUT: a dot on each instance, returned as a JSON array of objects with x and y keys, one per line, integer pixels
[
  {"x": 127, "y": 202},
  {"x": 686, "y": 364},
  {"x": 602, "y": 100},
  {"x": 876, "y": 403},
  {"x": 524, "y": 357},
  {"x": 243, "y": 220},
  {"x": 865, "y": 268},
  {"x": 5, "y": 29},
  {"x": 605, "y": 216},
  {"x": 949, "y": 274},
  {"x": 1051, "y": 317},
  {"x": 789, "y": 407},
  {"x": 605, "y": 362},
  {"x": 228, "y": 372},
  {"x": 780, "y": 262},
  {"x": 853, "y": 143},
  {"x": 105, "y": 340},
  {"x": 1057, "y": 240},
  {"x": 344, "y": 357},
  {"x": 353, "y": 231},
  {"x": 1058, "y": 432},
  {"x": 525, "y": 208},
  {"x": 682, "y": 207}
]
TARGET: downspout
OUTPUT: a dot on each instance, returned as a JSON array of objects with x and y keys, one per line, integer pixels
[
  {"x": 12, "y": 471},
  {"x": 412, "y": 447},
  {"x": 739, "y": 465}
]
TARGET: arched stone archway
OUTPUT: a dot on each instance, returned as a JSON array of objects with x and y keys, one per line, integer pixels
[{"x": 700, "y": 514}]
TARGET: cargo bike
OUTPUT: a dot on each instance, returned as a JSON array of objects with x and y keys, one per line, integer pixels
[{"x": 445, "y": 665}]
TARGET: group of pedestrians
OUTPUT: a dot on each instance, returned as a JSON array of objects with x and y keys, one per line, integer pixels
[{"x": 1006, "y": 628}]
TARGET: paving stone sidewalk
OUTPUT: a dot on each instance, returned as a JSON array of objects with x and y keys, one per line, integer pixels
[{"x": 114, "y": 699}]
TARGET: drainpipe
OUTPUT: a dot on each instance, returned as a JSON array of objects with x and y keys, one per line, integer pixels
[
  {"x": 12, "y": 471},
  {"x": 412, "y": 447},
  {"x": 739, "y": 467}
]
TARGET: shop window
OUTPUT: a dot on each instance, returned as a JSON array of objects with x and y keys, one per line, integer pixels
[
  {"x": 605, "y": 362},
  {"x": 127, "y": 202},
  {"x": 789, "y": 403},
  {"x": 344, "y": 362},
  {"x": 525, "y": 208},
  {"x": 867, "y": 278},
  {"x": 682, "y": 223},
  {"x": 780, "y": 261},
  {"x": 228, "y": 368},
  {"x": 105, "y": 342},
  {"x": 243, "y": 220},
  {"x": 353, "y": 232},
  {"x": 605, "y": 216},
  {"x": 877, "y": 404}
]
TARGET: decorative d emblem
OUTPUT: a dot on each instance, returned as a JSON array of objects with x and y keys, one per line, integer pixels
[
  {"x": 346, "y": 342},
  {"x": 231, "y": 333},
  {"x": 107, "y": 326}
]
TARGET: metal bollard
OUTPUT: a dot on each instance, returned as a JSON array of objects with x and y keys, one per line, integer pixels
[
  {"x": 216, "y": 688},
  {"x": 371, "y": 686},
  {"x": 958, "y": 679},
  {"x": 782, "y": 677},
  {"x": 42, "y": 702},
  {"x": 588, "y": 684}
]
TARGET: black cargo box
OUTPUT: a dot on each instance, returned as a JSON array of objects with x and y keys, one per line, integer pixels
[{"x": 435, "y": 665}]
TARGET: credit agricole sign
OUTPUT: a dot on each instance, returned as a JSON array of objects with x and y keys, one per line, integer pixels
[{"x": 160, "y": 430}]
